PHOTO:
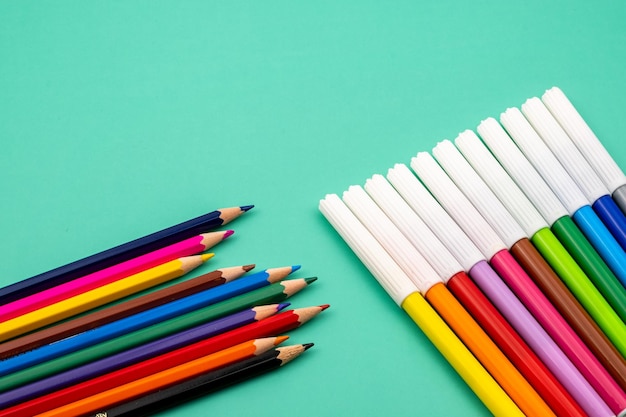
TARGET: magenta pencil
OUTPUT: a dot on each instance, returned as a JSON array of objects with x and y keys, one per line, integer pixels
[{"x": 105, "y": 276}]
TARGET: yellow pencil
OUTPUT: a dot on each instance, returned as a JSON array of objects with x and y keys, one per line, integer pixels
[
  {"x": 100, "y": 296},
  {"x": 404, "y": 292}
]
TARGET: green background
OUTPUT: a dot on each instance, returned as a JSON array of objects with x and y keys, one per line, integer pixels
[{"x": 121, "y": 118}]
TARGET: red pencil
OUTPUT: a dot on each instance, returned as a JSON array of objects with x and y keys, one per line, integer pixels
[{"x": 280, "y": 323}]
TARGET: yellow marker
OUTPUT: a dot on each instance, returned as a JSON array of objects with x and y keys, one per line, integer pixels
[
  {"x": 461, "y": 359},
  {"x": 100, "y": 296},
  {"x": 404, "y": 292}
]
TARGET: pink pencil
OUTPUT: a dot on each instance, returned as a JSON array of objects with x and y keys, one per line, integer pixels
[{"x": 105, "y": 276}]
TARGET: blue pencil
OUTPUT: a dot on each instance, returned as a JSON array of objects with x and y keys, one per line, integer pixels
[{"x": 144, "y": 319}]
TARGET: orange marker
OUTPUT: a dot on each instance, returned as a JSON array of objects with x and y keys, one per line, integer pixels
[{"x": 485, "y": 350}]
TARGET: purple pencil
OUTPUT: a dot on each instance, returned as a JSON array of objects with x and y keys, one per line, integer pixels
[{"x": 139, "y": 353}]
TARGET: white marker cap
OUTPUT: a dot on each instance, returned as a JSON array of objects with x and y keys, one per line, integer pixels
[
  {"x": 388, "y": 274},
  {"x": 440, "y": 222},
  {"x": 521, "y": 170},
  {"x": 543, "y": 160},
  {"x": 413, "y": 227},
  {"x": 457, "y": 205},
  {"x": 394, "y": 242},
  {"x": 486, "y": 165},
  {"x": 564, "y": 149},
  {"x": 478, "y": 193},
  {"x": 584, "y": 138}
]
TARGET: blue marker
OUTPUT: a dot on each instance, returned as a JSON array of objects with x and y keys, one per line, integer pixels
[{"x": 566, "y": 190}]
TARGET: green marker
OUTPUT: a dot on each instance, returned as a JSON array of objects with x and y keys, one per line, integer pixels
[{"x": 535, "y": 207}]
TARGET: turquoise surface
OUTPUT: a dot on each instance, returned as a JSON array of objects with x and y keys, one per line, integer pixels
[{"x": 121, "y": 118}]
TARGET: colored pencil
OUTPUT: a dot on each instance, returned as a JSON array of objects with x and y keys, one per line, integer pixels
[
  {"x": 588, "y": 143},
  {"x": 494, "y": 212},
  {"x": 121, "y": 253},
  {"x": 96, "y": 377},
  {"x": 485, "y": 277},
  {"x": 144, "y": 319},
  {"x": 121, "y": 310},
  {"x": 105, "y": 276},
  {"x": 274, "y": 293},
  {"x": 463, "y": 288},
  {"x": 169, "y": 397},
  {"x": 583, "y": 286},
  {"x": 540, "y": 156},
  {"x": 579, "y": 170},
  {"x": 534, "y": 225},
  {"x": 164, "y": 378},
  {"x": 100, "y": 296},
  {"x": 405, "y": 293}
]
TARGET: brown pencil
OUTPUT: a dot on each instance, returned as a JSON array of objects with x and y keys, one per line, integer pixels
[{"x": 119, "y": 311}]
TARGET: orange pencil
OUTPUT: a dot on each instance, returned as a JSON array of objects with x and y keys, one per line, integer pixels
[{"x": 127, "y": 392}]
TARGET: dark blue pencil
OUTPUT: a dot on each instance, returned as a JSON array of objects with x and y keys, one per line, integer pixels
[{"x": 121, "y": 253}]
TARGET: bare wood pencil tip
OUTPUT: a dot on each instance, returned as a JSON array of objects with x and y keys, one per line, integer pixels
[{"x": 278, "y": 274}]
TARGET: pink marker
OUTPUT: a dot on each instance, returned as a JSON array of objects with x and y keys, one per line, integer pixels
[
  {"x": 105, "y": 276},
  {"x": 494, "y": 248}
]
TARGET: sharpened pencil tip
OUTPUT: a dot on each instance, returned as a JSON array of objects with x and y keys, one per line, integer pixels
[
  {"x": 246, "y": 208},
  {"x": 207, "y": 256},
  {"x": 310, "y": 280},
  {"x": 248, "y": 267},
  {"x": 324, "y": 306},
  {"x": 308, "y": 346},
  {"x": 280, "y": 339},
  {"x": 227, "y": 234},
  {"x": 282, "y": 306},
  {"x": 294, "y": 268}
]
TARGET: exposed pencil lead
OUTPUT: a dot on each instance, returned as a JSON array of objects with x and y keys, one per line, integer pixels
[
  {"x": 324, "y": 306},
  {"x": 307, "y": 346},
  {"x": 246, "y": 208},
  {"x": 310, "y": 280},
  {"x": 227, "y": 234},
  {"x": 282, "y": 306},
  {"x": 248, "y": 267}
]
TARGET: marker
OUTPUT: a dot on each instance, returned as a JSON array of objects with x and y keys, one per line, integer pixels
[
  {"x": 579, "y": 169},
  {"x": 488, "y": 244},
  {"x": 464, "y": 289},
  {"x": 588, "y": 143},
  {"x": 405, "y": 293},
  {"x": 488, "y": 205},
  {"x": 554, "y": 253},
  {"x": 574, "y": 201},
  {"x": 538, "y": 192},
  {"x": 566, "y": 190}
]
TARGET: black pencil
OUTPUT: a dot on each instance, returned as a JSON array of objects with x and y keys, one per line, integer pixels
[
  {"x": 121, "y": 253},
  {"x": 205, "y": 384}
]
